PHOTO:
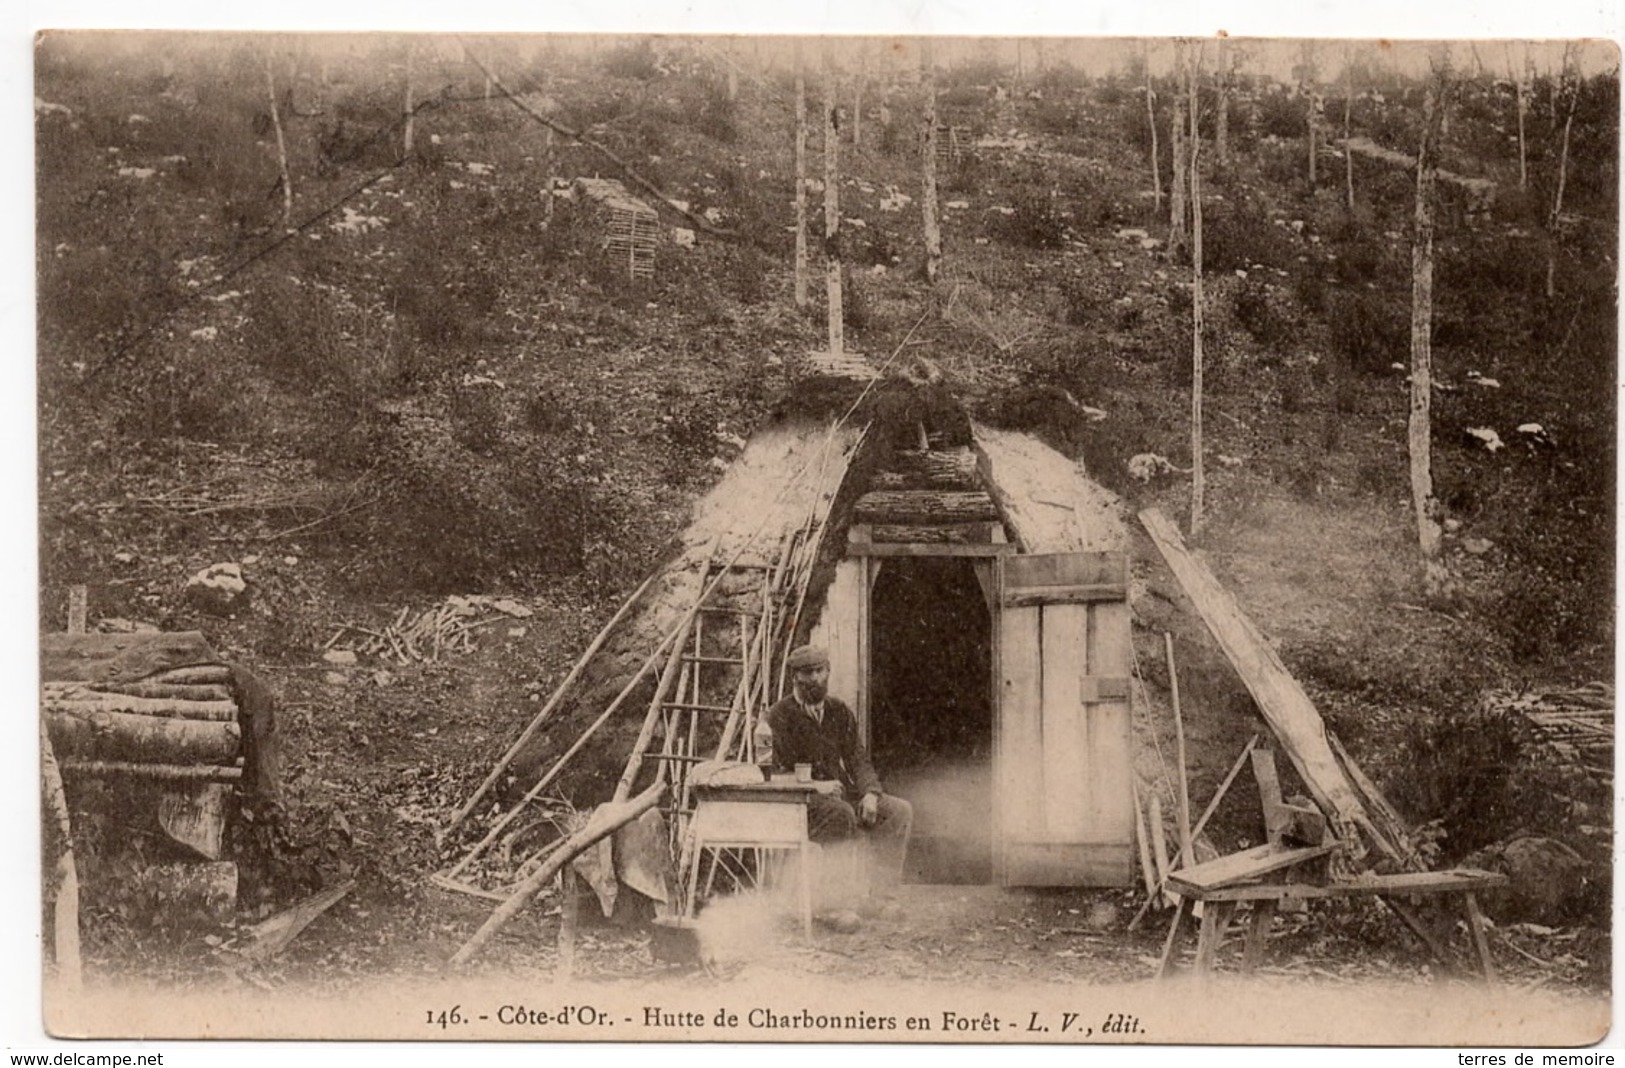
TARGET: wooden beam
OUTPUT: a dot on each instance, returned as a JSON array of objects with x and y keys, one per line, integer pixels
[
  {"x": 916, "y": 549},
  {"x": 1046, "y": 595},
  {"x": 980, "y": 533},
  {"x": 1282, "y": 701}
]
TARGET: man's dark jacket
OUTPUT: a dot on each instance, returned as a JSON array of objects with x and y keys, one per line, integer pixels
[{"x": 832, "y": 748}]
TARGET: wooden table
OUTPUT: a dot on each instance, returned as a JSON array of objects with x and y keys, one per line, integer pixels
[
  {"x": 762, "y": 816},
  {"x": 1264, "y": 897}
]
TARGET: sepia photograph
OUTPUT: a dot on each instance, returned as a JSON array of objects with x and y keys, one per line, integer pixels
[{"x": 923, "y": 538}]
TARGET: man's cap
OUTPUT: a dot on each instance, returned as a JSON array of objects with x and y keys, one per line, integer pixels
[{"x": 807, "y": 656}]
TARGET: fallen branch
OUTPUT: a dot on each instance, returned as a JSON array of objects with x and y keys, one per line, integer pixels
[{"x": 605, "y": 821}]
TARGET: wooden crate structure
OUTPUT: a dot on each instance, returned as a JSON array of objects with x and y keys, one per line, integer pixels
[
  {"x": 954, "y": 144},
  {"x": 630, "y": 226}
]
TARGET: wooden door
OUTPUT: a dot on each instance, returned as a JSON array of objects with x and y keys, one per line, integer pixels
[{"x": 1064, "y": 805}]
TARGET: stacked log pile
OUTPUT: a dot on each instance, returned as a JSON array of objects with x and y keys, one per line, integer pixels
[{"x": 155, "y": 734}]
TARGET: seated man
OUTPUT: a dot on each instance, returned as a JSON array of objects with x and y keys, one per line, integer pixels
[{"x": 810, "y": 727}]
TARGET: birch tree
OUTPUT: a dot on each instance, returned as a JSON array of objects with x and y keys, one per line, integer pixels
[
  {"x": 801, "y": 180},
  {"x": 1221, "y": 115},
  {"x": 1198, "y": 477},
  {"x": 1151, "y": 120},
  {"x": 928, "y": 165},
  {"x": 1177, "y": 234},
  {"x": 1311, "y": 76},
  {"x": 832, "y": 207},
  {"x": 1554, "y": 218},
  {"x": 285, "y": 178},
  {"x": 407, "y": 108},
  {"x": 1348, "y": 132},
  {"x": 1434, "y": 103}
]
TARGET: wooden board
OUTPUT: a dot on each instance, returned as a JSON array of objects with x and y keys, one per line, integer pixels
[
  {"x": 1111, "y": 756},
  {"x": 1251, "y": 863},
  {"x": 1398, "y": 885},
  {"x": 837, "y": 628},
  {"x": 1020, "y": 757},
  {"x": 1282, "y": 701},
  {"x": 1065, "y": 743}
]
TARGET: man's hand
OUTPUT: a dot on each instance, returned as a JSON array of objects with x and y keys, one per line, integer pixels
[{"x": 869, "y": 809}]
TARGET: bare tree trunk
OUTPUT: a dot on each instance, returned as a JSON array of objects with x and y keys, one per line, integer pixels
[
  {"x": 801, "y": 181},
  {"x": 1151, "y": 118},
  {"x": 1177, "y": 207},
  {"x": 857, "y": 105},
  {"x": 1421, "y": 424},
  {"x": 1198, "y": 477},
  {"x": 1523, "y": 111},
  {"x": 281, "y": 148},
  {"x": 928, "y": 166},
  {"x": 1314, "y": 153},
  {"x": 406, "y": 109},
  {"x": 1348, "y": 129},
  {"x": 1221, "y": 118},
  {"x": 832, "y": 208},
  {"x": 1554, "y": 221}
]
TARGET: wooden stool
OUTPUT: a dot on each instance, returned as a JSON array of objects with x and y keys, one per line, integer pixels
[{"x": 763, "y": 816}]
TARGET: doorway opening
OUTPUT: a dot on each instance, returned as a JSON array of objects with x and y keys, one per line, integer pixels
[{"x": 930, "y": 711}]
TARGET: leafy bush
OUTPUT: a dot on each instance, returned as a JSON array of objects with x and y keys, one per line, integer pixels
[
  {"x": 1243, "y": 239},
  {"x": 1260, "y": 317},
  {"x": 1368, "y": 330},
  {"x": 1477, "y": 774},
  {"x": 633, "y": 60},
  {"x": 1037, "y": 221}
]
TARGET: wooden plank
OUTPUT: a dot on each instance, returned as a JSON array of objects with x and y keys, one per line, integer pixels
[
  {"x": 1020, "y": 773},
  {"x": 1269, "y": 794},
  {"x": 1215, "y": 923},
  {"x": 1066, "y": 594},
  {"x": 1068, "y": 767},
  {"x": 1111, "y": 733},
  {"x": 1165, "y": 962},
  {"x": 1187, "y": 855},
  {"x": 1404, "y": 883},
  {"x": 1258, "y": 933},
  {"x": 1247, "y": 864},
  {"x": 1063, "y": 570},
  {"x": 917, "y": 549},
  {"x": 1159, "y": 847},
  {"x": 1281, "y": 700},
  {"x": 980, "y": 533}
]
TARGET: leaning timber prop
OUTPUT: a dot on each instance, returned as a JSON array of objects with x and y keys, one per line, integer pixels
[
  {"x": 547, "y": 710},
  {"x": 1282, "y": 701},
  {"x": 605, "y": 821}
]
